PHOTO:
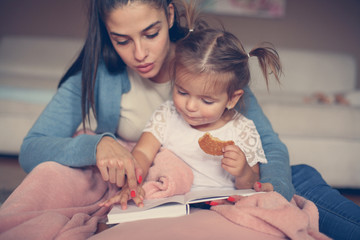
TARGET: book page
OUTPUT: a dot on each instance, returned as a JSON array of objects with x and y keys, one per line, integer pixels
[
  {"x": 208, "y": 194},
  {"x": 195, "y": 196},
  {"x": 151, "y": 203}
]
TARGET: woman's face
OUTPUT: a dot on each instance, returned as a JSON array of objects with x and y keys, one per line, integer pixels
[{"x": 140, "y": 35}]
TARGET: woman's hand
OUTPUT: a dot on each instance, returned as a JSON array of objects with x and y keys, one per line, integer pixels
[
  {"x": 116, "y": 164},
  {"x": 258, "y": 187},
  {"x": 263, "y": 187},
  {"x": 124, "y": 195}
]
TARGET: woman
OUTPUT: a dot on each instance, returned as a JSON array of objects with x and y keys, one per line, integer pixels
[{"x": 122, "y": 75}]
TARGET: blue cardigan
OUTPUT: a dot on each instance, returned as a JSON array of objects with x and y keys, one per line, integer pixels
[{"x": 50, "y": 139}]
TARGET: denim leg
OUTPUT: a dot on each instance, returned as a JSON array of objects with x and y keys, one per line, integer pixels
[{"x": 339, "y": 218}]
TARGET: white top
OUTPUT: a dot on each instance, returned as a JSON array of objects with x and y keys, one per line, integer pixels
[
  {"x": 139, "y": 103},
  {"x": 175, "y": 134}
]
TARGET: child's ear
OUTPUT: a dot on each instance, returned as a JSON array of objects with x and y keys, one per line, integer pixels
[{"x": 235, "y": 98}]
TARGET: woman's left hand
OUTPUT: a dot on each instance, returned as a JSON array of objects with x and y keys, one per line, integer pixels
[{"x": 258, "y": 187}]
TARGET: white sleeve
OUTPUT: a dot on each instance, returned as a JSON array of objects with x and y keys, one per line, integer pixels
[
  {"x": 250, "y": 143},
  {"x": 158, "y": 122}
]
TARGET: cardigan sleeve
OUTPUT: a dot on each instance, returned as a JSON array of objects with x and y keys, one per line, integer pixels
[
  {"x": 277, "y": 171},
  {"x": 51, "y": 137}
]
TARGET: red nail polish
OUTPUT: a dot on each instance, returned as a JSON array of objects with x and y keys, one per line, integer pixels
[
  {"x": 140, "y": 179},
  {"x": 213, "y": 203},
  {"x": 133, "y": 194},
  {"x": 207, "y": 202},
  {"x": 259, "y": 184},
  {"x": 231, "y": 199}
]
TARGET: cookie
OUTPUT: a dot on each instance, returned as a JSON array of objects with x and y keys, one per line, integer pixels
[{"x": 212, "y": 145}]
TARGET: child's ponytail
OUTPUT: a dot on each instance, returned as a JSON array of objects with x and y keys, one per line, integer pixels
[
  {"x": 191, "y": 15},
  {"x": 269, "y": 61}
]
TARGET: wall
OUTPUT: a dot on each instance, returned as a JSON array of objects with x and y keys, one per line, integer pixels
[{"x": 327, "y": 25}]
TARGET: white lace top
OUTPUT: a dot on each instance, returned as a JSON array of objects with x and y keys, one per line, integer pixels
[{"x": 174, "y": 133}]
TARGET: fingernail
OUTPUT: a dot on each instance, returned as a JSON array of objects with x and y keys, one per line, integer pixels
[
  {"x": 259, "y": 184},
  {"x": 231, "y": 199},
  {"x": 213, "y": 203},
  {"x": 140, "y": 179},
  {"x": 133, "y": 194}
]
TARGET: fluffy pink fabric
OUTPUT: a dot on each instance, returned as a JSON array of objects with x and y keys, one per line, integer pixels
[
  {"x": 271, "y": 213},
  {"x": 55, "y": 202},
  {"x": 168, "y": 176}
]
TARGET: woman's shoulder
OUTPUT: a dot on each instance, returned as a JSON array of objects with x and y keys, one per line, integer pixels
[{"x": 106, "y": 79}]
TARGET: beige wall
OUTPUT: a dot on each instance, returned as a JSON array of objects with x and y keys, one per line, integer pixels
[{"x": 327, "y": 25}]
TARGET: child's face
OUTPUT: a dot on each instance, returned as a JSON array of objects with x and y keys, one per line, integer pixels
[{"x": 199, "y": 103}]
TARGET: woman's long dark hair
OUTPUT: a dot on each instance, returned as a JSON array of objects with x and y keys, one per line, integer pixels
[{"x": 98, "y": 47}]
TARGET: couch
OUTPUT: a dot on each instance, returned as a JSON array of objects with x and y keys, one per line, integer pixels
[{"x": 323, "y": 134}]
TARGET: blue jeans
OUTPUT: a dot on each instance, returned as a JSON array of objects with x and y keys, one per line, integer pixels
[{"x": 339, "y": 218}]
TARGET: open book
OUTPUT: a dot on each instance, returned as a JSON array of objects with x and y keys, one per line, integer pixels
[{"x": 174, "y": 206}]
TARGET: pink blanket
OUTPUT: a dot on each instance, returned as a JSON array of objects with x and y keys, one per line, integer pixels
[
  {"x": 55, "y": 202},
  {"x": 271, "y": 213},
  {"x": 58, "y": 202}
]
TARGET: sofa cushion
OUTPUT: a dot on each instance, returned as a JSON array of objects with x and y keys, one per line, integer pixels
[
  {"x": 314, "y": 120},
  {"x": 306, "y": 72}
]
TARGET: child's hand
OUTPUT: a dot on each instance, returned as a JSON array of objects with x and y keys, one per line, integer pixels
[
  {"x": 234, "y": 161},
  {"x": 124, "y": 195}
]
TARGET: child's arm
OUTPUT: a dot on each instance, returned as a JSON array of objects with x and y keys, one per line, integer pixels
[
  {"x": 234, "y": 162},
  {"x": 145, "y": 151}
]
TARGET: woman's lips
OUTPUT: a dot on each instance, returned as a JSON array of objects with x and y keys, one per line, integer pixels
[{"x": 145, "y": 68}]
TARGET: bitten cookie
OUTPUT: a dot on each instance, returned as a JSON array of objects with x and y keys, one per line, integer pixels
[{"x": 212, "y": 145}]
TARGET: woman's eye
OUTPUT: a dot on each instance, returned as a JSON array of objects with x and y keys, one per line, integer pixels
[
  {"x": 122, "y": 42},
  {"x": 151, "y": 36}
]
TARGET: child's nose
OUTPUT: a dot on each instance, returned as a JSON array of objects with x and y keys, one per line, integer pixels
[{"x": 191, "y": 105}]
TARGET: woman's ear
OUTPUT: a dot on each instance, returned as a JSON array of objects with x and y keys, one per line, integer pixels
[
  {"x": 234, "y": 98},
  {"x": 171, "y": 15}
]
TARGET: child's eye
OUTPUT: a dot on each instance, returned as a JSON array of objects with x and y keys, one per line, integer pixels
[
  {"x": 181, "y": 92},
  {"x": 209, "y": 102}
]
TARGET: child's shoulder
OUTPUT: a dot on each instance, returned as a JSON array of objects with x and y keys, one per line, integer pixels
[
  {"x": 167, "y": 107},
  {"x": 239, "y": 120}
]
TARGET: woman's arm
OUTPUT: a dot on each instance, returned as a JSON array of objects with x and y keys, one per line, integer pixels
[
  {"x": 50, "y": 138},
  {"x": 277, "y": 171}
]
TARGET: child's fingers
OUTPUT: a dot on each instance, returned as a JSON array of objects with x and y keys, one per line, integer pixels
[
  {"x": 124, "y": 198},
  {"x": 110, "y": 201},
  {"x": 232, "y": 148}
]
